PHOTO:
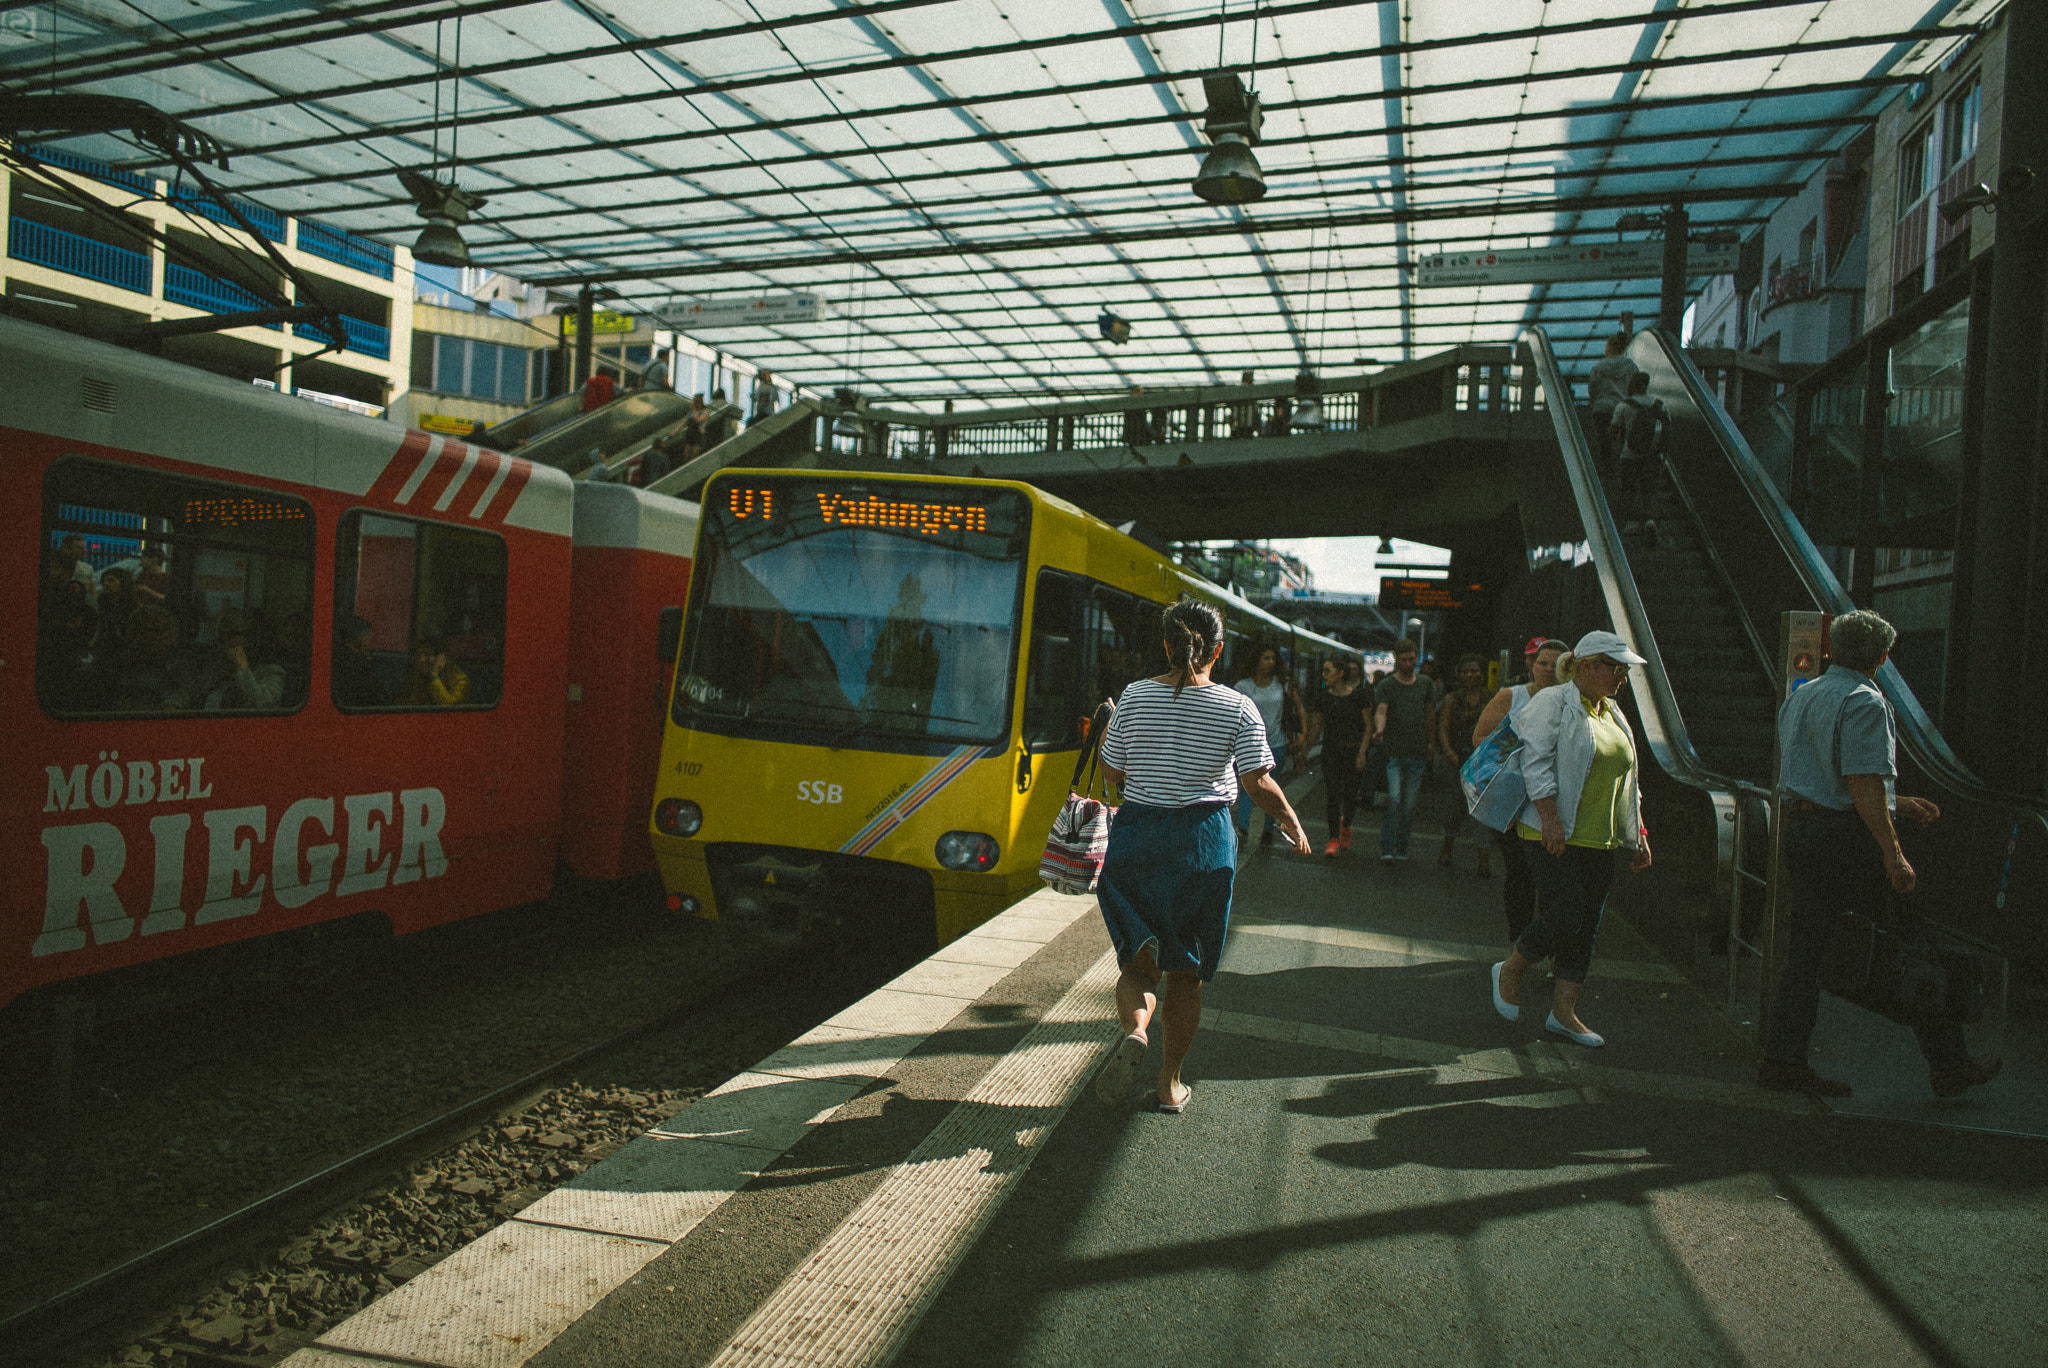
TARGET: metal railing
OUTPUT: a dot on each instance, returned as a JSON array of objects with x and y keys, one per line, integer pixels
[
  {"x": 345, "y": 248},
  {"x": 1664, "y": 729},
  {"x": 86, "y": 166},
  {"x": 76, "y": 255},
  {"x": 193, "y": 200},
  {"x": 1473, "y": 379},
  {"x": 358, "y": 335},
  {"x": 198, "y": 290}
]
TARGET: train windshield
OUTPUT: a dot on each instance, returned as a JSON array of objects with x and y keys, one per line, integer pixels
[{"x": 850, "y": 612}]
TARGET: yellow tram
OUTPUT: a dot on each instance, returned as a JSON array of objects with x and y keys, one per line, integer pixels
[{"x": 863, "y": 734}]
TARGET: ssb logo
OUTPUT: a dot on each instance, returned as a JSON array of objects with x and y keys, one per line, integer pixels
[{"x": 818, "y": 791}]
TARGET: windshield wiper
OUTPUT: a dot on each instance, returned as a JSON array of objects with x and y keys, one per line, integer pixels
[{"x": 868, "y": 720}]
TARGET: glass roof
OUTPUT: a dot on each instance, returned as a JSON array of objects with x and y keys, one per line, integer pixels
[{"x": 970, "y": 182}]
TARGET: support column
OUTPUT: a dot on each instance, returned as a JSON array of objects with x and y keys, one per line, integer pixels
[
  {"x": 1671, "y": 303},
  {"x": 586, "y": 329},
  {"x": 2003, "y": 735}
]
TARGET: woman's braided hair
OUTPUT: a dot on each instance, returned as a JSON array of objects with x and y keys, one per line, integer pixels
[{"x": 1193, "y": 631}]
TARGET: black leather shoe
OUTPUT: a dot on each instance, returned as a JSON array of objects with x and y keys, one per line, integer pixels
[{"x": 1959, "y": 1080}]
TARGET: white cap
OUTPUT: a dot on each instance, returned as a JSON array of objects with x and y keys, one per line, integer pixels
[{"x": 1606, "y": 644}]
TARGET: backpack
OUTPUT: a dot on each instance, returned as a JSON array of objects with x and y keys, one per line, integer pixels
[{"x": 1645, "y": 425}]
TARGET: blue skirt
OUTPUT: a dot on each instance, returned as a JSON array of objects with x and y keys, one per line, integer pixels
[{"x": 1166, "y": 881}]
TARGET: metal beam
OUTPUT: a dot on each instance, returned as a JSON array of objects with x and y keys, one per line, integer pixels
[
  {"x": 273, "y": 151},
  {"x": 981, "y": 52},
  {"x": 677, "y": 270},
  {"x": 571, "y": 243}
]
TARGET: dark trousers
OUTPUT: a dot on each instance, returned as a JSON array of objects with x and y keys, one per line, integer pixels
[
  {"x": 1517, "y": 884},
  {"x": 1637, "y": 476},
  {"x": 1571, "y": 893},
  {"x": 1340, "y": 786},
  {"x": 1832, "y": 865}
]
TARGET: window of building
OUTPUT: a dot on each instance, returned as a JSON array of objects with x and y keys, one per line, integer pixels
[
  {"x": 1913, "y": 167},
  {"x": 480, "y": 370},
  {"x": 1809, "y": 242},
  {"x": 162, "y": 594},
  {"x": 419, "y": 615},
  {"x": 1959, "y": 123}
]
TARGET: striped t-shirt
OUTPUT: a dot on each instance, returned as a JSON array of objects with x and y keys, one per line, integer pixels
[{"x": 1186, "y": 750}]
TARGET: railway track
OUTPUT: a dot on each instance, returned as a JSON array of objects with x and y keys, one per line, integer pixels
[{"x": 157, "y": 1294}]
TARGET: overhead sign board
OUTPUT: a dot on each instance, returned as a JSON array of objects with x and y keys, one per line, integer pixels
[
  {"x": 687, "y": 315},
  {"x": 447, "y": 423},
  {"x": 1578, "y": 261},
  {"x": 601, "y": 321},
  {"x": 1426, "y": 595}
]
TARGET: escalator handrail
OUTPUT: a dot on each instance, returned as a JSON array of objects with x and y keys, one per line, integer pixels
[
  {"x": 733, "y": 450},
  {"x": 1664, "y": 730},
  {"x": 626, "y": 454},
  {"x": 1923, "y": 740}
]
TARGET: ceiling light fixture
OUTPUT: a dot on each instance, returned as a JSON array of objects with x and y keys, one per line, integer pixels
[
  {"x": 1230, "y": 173},
  {"x": 443, "y": 207}
]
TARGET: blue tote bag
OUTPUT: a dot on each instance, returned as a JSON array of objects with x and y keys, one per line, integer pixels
[{"x": 1492, "y": 778}]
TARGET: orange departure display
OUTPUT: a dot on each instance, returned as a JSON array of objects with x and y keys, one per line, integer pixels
[
  {"x": 747, "y": 502},
  {"x": 233, "y": 511}
]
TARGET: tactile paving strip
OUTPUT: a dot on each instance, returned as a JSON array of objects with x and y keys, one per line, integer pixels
[{"x": 861, "y": 1293}]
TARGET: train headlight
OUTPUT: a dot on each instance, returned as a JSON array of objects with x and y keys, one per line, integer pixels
[
  {"x": 968, "y": 850},
  {"x": 683, "y": 903},
  {"x": 678, "y": 817}
]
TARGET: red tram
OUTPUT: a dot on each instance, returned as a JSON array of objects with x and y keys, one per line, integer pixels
[{"x": 286, "y": 664}]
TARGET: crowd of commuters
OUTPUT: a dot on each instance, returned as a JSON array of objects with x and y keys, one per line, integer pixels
[{"x": 122, "y": 640}]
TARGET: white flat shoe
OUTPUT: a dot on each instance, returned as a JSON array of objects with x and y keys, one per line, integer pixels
[
  {"x": 1508, "y": 1010},
  {"x": 1592, "y": 1040}
]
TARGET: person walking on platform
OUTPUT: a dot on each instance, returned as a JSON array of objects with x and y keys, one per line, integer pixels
[
  {"x": 1404, "y": 719},
  {"x": 1340, "y": 723},
  {"x": 1838, "y": 767},
  {"x": 1579, "y": 761},
  {"x": 1518, "y": 885},
  {"x": 1459, "y": 713},
  {"x": 1268, "y": 693},
  {"x": 1178, "y": 747}
]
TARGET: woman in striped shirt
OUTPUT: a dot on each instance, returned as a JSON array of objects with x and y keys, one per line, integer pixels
[{"x": 1177, "y": 747}]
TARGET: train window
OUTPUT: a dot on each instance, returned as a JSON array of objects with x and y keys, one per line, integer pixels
[
  {"x": 162, "y": 594},
  {"x": 1114, "y": 655},
  {"x": 419, "y": 615},
  {"x": 1151, "y": 643},
  {"x": 1052, "y": 679}
]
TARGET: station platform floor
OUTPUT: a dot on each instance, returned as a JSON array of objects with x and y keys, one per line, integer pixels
[{"x": 1374, "y": 1169}]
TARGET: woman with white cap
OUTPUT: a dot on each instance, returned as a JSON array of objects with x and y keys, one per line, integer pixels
[{"x": 1579, "y": 762}]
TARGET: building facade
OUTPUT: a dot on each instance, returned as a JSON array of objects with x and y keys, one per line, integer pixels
[{"x": 93, "y": 249}]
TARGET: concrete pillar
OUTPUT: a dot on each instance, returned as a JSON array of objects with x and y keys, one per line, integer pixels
[
  {"x": 2004, "y": 736},
  {"x": 1671, "y": 302}
]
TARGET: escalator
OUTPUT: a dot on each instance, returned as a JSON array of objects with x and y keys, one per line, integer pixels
[
  {"x": 515, "y": 432},
  {"x": 1701, "y": 599}
]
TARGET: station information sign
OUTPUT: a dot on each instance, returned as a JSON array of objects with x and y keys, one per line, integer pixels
[
  {"x": 1426, "y": 595},
  {"x": 1576, "y": 261},
  {"x": 601, "y": 321},
  {"x": 755, "y": 311}
]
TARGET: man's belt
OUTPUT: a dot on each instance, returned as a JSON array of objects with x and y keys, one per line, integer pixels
[{"x": 1808, "y": 805}]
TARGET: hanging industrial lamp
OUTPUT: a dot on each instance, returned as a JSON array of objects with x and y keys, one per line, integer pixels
[
  {"x": 1308, "y": 402},
  {"x": 847, "y": 424},
  {"x": 1230, "y": 173},
  {"x": 442, "y": 206}
]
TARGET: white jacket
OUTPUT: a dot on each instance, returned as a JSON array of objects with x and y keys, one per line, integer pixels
[{"x": 1557, "y": 754}]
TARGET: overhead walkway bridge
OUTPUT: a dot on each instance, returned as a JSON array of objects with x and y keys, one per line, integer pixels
[{"x": 1469, "y": 449}]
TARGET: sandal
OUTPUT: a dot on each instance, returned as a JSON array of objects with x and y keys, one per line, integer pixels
[
  {"x": 1187, "y": 1095},
  {"x": 1114, "y": 1083}
]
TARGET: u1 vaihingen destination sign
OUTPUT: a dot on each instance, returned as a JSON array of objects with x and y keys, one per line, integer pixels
[{"x": 1577, "y": 261}]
